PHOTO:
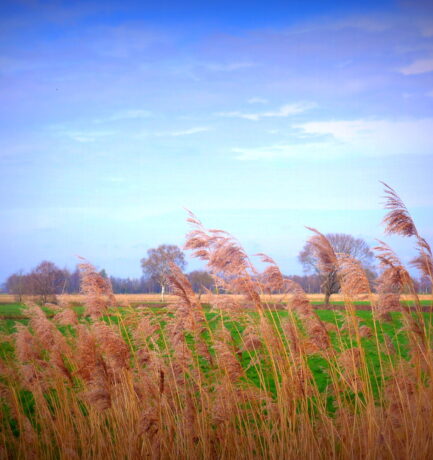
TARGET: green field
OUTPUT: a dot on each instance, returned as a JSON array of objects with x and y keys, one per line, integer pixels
[
  {"x": 10, "y": 314},
  {"x": 157, "y": 354}
]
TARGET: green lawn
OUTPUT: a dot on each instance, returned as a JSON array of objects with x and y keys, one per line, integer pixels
[{"x": 11, "y": 313}]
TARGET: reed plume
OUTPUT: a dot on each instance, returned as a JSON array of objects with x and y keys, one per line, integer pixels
[
  {"x": 97, "y": 291},
  {"x": 390, "y": 283},
  {"x": 243, "y": 378},
  {"x": 399, "y": 221},
  {"x": 352, "y": 277},
  {"x": 226, "y": 260}
]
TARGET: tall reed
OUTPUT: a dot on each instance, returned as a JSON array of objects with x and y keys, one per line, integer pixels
[{"x": 238, "y": 379}]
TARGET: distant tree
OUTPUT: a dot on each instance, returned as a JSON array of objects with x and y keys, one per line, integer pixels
[
  {"x": 47, "y": 280},
  {"x": 16, "y": 285},
  {"x": 200, "y": 280},
  {"x": 424, "y": 285},
  {"x": 156, "y": 265},
  {"x": 343, "y": 244},
  {"x": 309, "y": 283},
  {"x": 73, "y": 282}
]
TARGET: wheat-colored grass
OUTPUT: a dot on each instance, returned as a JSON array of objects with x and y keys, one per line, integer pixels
[
  {"x": 232, "y": 383},
  {"x": 136, "y": 299}
]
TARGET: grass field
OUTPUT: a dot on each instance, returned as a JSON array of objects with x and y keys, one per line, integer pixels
[
  {"x": 11, "y": 314},
  {"x": 248, "y": 376},
  {"x": 236, "y": 360},
  {"x": 136, "y": 299}
]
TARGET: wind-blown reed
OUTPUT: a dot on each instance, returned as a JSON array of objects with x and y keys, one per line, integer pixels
[{"x": 232, "y": 381}]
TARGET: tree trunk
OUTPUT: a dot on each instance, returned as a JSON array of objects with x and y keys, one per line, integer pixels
[
  {"x": 162, "y": 292},
  {"x": 327, "y": 296}
]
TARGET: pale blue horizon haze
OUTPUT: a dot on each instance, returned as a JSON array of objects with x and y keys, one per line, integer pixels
[{"x": 261, "y": 118}]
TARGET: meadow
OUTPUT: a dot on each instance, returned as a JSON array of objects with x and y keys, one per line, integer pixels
[{"x": 261, "y": 374}]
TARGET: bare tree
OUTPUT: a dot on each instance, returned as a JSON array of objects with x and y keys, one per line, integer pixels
[
  {"x": 309, "y": 283},
  {"x": 47, "y": 280},
  {"x": 16, "y": 285},
  {"x": 342, "y": 243},
  {"x": 424, "y": 285},
  {"x": 156, "y": 264},
  {"x": 200, "y": 280}
]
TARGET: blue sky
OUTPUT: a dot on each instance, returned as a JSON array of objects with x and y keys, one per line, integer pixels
[{"x": 261, "y": 117}]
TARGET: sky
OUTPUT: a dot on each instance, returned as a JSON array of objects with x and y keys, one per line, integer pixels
[{"x": 260, "y": 117}]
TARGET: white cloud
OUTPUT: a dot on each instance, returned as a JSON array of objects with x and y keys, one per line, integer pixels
[
  {"x": 185, "y": 132},
  {"x": 363, "y": 23},
  {"x": 246, "y": 116},
  {"x": 375, "y": 137},
  {"x": 257, "y": 100},
  {"x": 418, "y": 67},
  {"x": 366, "y": 23},
  {"x": 229, "y": 67},
  {"x": 278, "y": 151},
  {"x": 86, "y": 136},
  {"x": 339, "y": 139},
  {"x": 284, "y": 111},
  {"x": 131, "y": 114}
]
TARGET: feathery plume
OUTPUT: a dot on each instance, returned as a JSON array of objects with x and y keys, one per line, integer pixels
[
  {"x": 26, "y": 346},
  {"x": 45, "y": 331},
  {"x": 113, "y": 347},
  {"x": 323, "y": 251},
  {"x": 424, "y": 261},
  {"x": 224, "y": 255},
  {"x": 96, "y": 289},
  {"x": 365, "y": 331},
  {"x": 349, "y": 361},
  {"x": 271, "y": 279},
  {"x": 390, "y": 283},
  {"x": 424, "y": 264},
  {"x": 315, "y": 328},
  {"x": 352, "y": 277},
  {"x": 251, "y": 340},
  {"x": 226, "y": 356},
  {"x": 66, "y": 317},
  {"x": 398, "y": 220}
]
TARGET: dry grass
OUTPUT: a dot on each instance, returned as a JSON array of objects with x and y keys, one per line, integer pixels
[
  {"x": 136, "y": 299},
  {"x": 235, "y": 383}
]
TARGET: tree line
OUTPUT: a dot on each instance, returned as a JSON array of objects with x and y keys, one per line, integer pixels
[{"x": 47, "y": 280}]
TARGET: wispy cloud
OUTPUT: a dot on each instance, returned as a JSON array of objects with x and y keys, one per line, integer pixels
[
  {"x": 375, "y": 137},
  {"x": 229, "y": 67},
  {"x": 418, "y": 67},
  {"x": 349, "y": 138},
  {"x": 281, "y": 151},
  {"x": 130, "y": 114},
  {"x": 85, "y": 136},
  {"x": 284, "y": 111},
  {"x": 257, "y": 100},
  {"x": 184, "y": 132},
  {"x": 363, "y": 23}
]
